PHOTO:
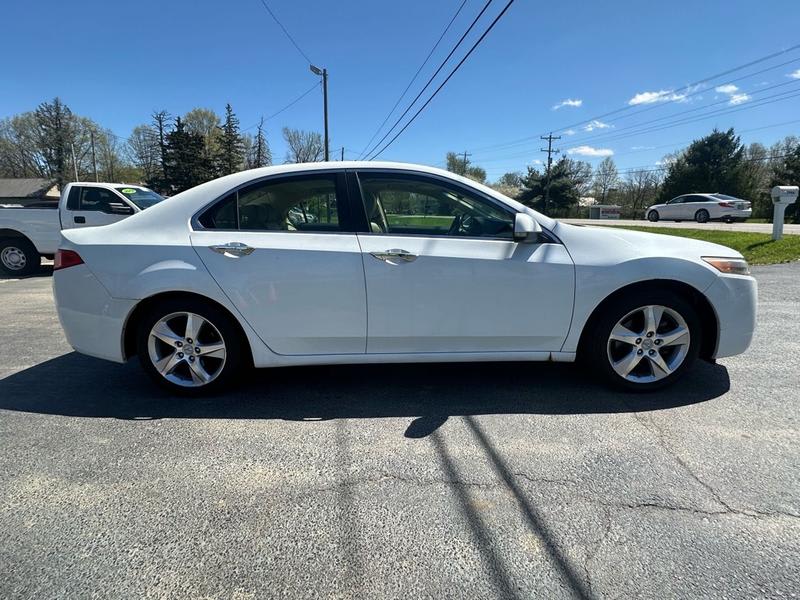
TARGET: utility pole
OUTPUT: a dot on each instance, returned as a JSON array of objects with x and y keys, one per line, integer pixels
[
  {"x": 342, "y": 153},
  {"x": 94, "y": 156},
  {"x": 74, "y": 162},
  {"x": 464, "y": 168},
  {"x": 549, "y": 151},
  {"x": 324, "y": 74}
]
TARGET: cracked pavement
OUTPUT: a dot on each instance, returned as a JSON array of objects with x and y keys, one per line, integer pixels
[{"x": 429, "y": 481}]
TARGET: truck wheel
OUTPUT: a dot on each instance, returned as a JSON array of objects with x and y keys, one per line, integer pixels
[{"x": 18, "y": 257}]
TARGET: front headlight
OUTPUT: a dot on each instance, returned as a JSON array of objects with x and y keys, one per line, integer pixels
[{"x": 732, "y": 266}]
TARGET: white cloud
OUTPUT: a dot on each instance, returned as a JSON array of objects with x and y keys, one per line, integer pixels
[
  {"x": 739, "y": 99},
  {"x": 570, "y": 132},
  {"x": 536, "y": 161},
  {"x": 794, "y": 74},
  {"x": 569, "y": 102},
  {"x": 595, "y": 124},
  {"x": 590, "y": 151},
  {"x": 736, "y": 96},
  {"x": 728, "y": 88},
  {"x": 653, "y": 97}
]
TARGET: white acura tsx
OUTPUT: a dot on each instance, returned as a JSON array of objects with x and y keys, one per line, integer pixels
[{"x": 364, "y": 262}]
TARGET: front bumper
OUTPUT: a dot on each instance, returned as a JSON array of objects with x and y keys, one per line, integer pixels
[
  {"x": 734, "y": 298},
  {"x": 92, "y": 320}
]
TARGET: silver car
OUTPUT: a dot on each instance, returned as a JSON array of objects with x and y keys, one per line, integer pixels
[{"x": 700, "y": 208}]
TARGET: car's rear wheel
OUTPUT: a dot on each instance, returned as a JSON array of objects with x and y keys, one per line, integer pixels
[
  {"x": 652, "y": 216},
  {"x": 645, "y": 341},
  {"x": 701, "y": 216},
  {"x": 18, "y": 257},
  {"x": 189, "y": 346}
]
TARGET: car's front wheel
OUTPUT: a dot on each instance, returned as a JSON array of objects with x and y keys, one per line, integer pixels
[
  {"x": 645, "y": 341},
  {"x": 189, "y": 346},
  {"x": 652, "y": 216}
]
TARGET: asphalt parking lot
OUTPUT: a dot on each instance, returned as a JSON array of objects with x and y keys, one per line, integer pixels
[{"x": 434, "y": 481}]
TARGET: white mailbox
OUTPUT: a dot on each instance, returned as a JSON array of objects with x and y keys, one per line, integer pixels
[{"x": 782, "y": 196}]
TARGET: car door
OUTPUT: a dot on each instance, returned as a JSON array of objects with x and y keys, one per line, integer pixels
[
  {"x": 444, "y": 274},
  {"x": 283, "y": 251},
  {"x": 91, "y": 206}
]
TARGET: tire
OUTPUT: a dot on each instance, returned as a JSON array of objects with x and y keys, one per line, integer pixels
[
  {"x": 212, "y": 327},
  {"x": 608, "y": 356},
  {"x": 652, "y": 216},
  {"x": 19, "y": 257},
  {"x": 701, "y": 216}
]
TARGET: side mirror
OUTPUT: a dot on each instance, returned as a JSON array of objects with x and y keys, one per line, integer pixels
[
  {"x": 118, "y": 208},
  {"x": 526, "y": 229}
]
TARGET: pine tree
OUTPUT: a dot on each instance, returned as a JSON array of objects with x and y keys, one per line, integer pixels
[
  {"x": 231, "y": 145},
  {"x": 185, "y": 163},
  {"x": 260, "y": 154}
]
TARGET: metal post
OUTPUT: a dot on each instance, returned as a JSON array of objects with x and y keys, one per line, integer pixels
[
  {"x": 325, "y": 100},
  {"x": 549, "y": 151},
  {"x": 94, "y": 157},
  {"x": 342, "y": 152},
  {"x": 74, "y": 162}
]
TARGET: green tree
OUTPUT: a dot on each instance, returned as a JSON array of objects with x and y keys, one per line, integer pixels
[
  {"x": 463, "y": 166},
  {"x": 231, "y": 146},
  {"x": 714, "y": 163},
  {"x": 569, "y": 180},
  {"x": 185, "y": 163},
  {"x": 206, "y": 123}
]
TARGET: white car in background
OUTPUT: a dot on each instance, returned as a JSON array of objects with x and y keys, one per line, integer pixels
[
  {"x": 701, "y": 208},
  {"x": 400, "y": 263}
]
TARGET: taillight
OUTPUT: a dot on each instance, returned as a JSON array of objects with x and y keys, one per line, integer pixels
[
  {"x": 66, "y": 258},
  {"x": 726, "y": 204}
]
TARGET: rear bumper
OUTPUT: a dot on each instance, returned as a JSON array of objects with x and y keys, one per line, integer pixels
[
  {"x": 734, "y": 298},
  {"x": 732, "y": 213},
  {"x": 93, "y": 322}
]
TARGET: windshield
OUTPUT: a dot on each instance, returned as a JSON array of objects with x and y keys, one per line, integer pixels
[{"x": 141, "y": 197}]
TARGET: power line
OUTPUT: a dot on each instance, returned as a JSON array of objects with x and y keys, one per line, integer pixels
[
  {"x": 607, "y": 134},
  {"x": 678, "y": 119},
  {"x": 414, "y": 78},
  {"x": 288, "y": 106},
  {"x": 661, "y": 104},
  {"x": 285, "y": 31},
  {"x": 453, "y": 72},
  {"x": 425, "y": 87}
]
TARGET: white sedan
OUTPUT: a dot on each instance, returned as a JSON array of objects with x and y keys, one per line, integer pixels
[
  {"x": 701, "y": 208},
  {"x": 367, "y": 262}
]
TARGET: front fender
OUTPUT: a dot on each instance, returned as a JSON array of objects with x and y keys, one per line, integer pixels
[{"x": 595, "y": 283}]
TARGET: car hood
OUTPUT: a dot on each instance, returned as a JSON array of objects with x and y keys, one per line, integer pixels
[{"x": 625, "y": 244}]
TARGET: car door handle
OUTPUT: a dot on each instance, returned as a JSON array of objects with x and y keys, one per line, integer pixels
[
  {"x": 233, "y": 249},
  {"x": 395, "y": 254},
  {"x": 79, "y": 219}
]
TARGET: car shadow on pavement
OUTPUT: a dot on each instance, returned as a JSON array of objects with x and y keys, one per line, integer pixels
[{"x": 79, "y": 386}]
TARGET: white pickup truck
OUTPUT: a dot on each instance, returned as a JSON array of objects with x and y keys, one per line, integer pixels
[{"x": 29, "y": 232}]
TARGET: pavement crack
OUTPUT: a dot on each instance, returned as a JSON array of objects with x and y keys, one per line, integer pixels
[{"x": 649, "y": 424}]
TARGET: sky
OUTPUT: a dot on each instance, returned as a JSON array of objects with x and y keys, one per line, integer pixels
[{"x": 545, "y": 66}]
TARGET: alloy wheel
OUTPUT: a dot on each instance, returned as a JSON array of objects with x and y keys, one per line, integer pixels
[
  {"x": 186, "y": 349},
  {"x": 13, "y": 258},
  {"x": 648, "y": 344}
]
